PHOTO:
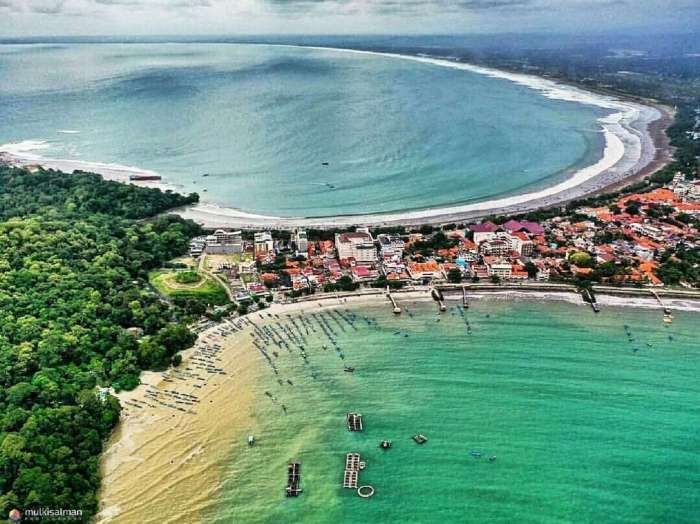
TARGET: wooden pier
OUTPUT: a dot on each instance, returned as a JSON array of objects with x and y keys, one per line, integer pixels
[
  {"x": 354, "y": 421},
  {"x": 590, "y": 298},
  {"x": 465, "y": 300},
  {"x": 294, "y": 479},
  {"x": 668, "y": 315},
  {"x": 397, "y": 309},
  {"x": 439, "y": 298}
]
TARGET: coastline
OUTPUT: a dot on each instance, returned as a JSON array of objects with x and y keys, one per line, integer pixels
[
  {"x": 635, "y": 145},
  {"x": 634, "y": 149},
  {"x": 182, "y": 459}
]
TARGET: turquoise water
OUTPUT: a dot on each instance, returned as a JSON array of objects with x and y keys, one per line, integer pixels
[
  {"x": 584, "y": 428},
  {"x": 261, "y": 120}
]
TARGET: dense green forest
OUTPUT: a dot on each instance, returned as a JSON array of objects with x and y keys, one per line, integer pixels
[{"x": 75, "y": 251}]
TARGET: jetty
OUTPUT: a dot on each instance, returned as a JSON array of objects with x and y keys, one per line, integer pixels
[
  {"x": 293, "y": 479},
  {"x": 668, "y": 316},
  {"x": 397, "y": 309},
  {"x": 589, "y": 297},
  {"x": 354, "y": 422},
  {"x": 439, "y": 298},
  {"x": 465, "y": 300}
]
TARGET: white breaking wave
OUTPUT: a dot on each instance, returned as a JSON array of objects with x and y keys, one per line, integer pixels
[{"x": 26, "y": 152}]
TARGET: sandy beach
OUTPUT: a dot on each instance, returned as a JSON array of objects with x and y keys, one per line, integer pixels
[
  {"x": 179, "y": 457},
  {"x": 635, "y": 145}
]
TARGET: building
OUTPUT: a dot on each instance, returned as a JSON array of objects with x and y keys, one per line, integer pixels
[
  {"x": 390, "y": 246},
  {"x": 521, "y": 243},
  {"x": 301, "y": 241},
  {"x": 424, "y": 271},
  {"x": 358, "y": 246},
  {"x": 224, "y": 242},
  {"x": 483, "y": 231},
  {"x": 263, "y": 243},
  {"x": 499, "y": 247},
  {"x": 499, "y": 268}
]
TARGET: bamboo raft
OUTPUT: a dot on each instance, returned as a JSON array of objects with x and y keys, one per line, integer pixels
[
  {"x": 293, "y": 479},
  {"x": 354, "y": 421},
  {"x": 352, "y": 470}
]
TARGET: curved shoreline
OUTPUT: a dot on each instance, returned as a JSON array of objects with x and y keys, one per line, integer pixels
[
  {"x": 629, "y": 152},
  {"x": 183, "y": 458}
]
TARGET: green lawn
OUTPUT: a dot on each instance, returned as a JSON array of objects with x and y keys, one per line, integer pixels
[{"x": 164, "y": 282}]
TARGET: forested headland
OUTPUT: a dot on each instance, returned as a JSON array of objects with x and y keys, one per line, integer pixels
[{"x": 75, "y": 252}]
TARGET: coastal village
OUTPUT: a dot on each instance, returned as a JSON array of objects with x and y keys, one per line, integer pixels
[{"x": 632, "y": 241}]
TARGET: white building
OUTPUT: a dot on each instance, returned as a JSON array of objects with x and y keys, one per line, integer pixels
[
  {"x": 263, "y": 243},
  {"x": 301, "y": 241},
  {"x": 390, "y": 246},
  {"x": 224, "y": 242},
  {"x": 358, "y": 245},
  {"x": 501, "y": 269}
]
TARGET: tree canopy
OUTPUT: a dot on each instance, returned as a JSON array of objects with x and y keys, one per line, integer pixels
[{"x": 74, "y": 254}]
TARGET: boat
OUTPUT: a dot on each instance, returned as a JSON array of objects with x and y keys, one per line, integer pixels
[
  {"x": 385, "y": 444},
  {"x": 251, "y": 440},
  {"x": 348, "y": 369},
  {"x": 143, "y": 177},
  {"x": 324, "y": 163},
  {"x": 420, "y": 439},
  {"x": 475, "y": 454},
  {"x": 492, "y": 458},
  {"x": 205, "y": 174}
]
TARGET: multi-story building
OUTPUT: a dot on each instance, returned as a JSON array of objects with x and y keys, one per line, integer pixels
[
  {"x": 390, "y": 245},
  {"x": 499, "y": 268},
  {"x": 301, "y": 241},
  {"x": 499, "y": 247},
  {"x": 358, "y": 246},
  {"x": 224, "y": 242},
  {"x": 263, "y": 243}
]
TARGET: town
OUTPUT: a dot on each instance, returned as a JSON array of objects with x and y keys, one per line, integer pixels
[{"x": 643, "y": 238}]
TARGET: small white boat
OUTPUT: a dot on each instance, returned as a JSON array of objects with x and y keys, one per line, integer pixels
[{"x": 251, "y": 440}]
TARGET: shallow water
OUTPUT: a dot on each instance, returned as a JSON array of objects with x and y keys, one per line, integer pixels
[
  {"x": 262, "y": 120},
  {"x": 586, "y": 425}
]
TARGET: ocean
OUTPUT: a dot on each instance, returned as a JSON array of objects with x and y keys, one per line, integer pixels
[
  {"x": 590, "y": 418},
  {"x": 261, "y": 121}
]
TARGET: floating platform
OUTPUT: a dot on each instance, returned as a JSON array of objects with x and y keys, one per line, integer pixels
[
  {"x": 352, "y": 470},
  {"x": 365, "y": 491},
  {"x": 354, "y": 422},
  {"x": 293, "y": 479},
  {"x": 420, "y": 439}
]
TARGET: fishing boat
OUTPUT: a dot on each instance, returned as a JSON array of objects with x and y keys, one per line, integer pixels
[
  {"x": 420, "y": 439},
  {"x": 385, "y": 444}
]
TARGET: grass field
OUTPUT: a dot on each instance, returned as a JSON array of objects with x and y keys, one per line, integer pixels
[{"x": 164, "y": 281}]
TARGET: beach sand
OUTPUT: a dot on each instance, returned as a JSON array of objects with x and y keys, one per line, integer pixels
[{"x": 163, "y": 466}]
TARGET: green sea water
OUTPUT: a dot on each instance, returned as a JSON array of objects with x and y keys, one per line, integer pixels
[{"x": 589, "y": 420}]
